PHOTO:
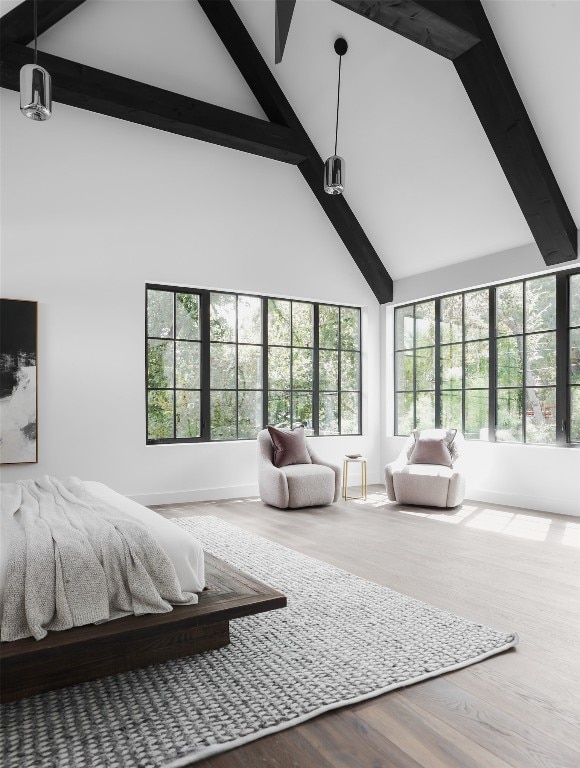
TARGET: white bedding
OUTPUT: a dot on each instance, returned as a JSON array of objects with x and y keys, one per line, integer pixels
[{"x": 184, "y": 551}]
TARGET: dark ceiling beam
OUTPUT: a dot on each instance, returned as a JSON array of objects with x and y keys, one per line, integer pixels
[
  {"x": 87, "y": 88},
  {"x": 417, "y": 22},
  {"x": 271, "y": 98},
  {"x": 496, "y": 100},
  {"x": 17, "y": 26}
]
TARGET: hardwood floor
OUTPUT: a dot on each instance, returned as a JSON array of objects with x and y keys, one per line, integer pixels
[{"x": 510, "y": 568}]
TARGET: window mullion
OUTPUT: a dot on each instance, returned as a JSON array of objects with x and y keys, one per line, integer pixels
[
  {"x": 316, "y": 372},
  {"x": 265, "y": 394},
  {"x": 524, "y": 380},
  {"x": 146, "y": 363},
  {"x": 492, "y": 333},
  {"x": 562, "y": 359},
  {"x": 414, "y": 366},
  {"x": 174, "y": 364},
  {"x": 205, "y": 365},
  {"x": 237, "y": 394},
  {"x": 463, "y": 388},
  {"x": 360, "y": 373},
  {"x": 395, "y": 382},
  {"x": 524, "y": 361},
  {"x": 291, "y": 393},
  {"x": 437, "y": 362},
  {"x": 339, "y": 372}
]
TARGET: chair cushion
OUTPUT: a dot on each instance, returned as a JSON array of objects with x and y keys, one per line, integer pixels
[
  {"x": 289, "y": 446},
  {"x": 424, "y": 484},
  {"x": 309, "y": 485}
]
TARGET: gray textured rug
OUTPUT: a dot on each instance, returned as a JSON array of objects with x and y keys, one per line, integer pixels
[{"x": 340, "y": 640}]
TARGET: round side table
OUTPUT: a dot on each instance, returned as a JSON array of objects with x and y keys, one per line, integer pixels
[{"x": 363, "y": 462}]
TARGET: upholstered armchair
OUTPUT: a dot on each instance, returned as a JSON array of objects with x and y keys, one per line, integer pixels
[
  {"x": 296, "y": 485},
  {"x": 426, "y": 484}
]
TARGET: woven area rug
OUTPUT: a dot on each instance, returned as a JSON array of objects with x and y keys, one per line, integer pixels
[{"x": 340, "y": 640}]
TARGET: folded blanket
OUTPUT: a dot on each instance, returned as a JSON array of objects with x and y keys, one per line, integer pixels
[{"x": 76, "y": 560}]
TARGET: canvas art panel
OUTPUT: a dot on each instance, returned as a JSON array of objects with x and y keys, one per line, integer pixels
[{"x": 18, "y": 402}]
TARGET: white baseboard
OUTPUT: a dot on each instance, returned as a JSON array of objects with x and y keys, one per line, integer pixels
[
  {"x": 551, "y": 505},
  {"x": 197, "y": 494},
  {"x": 206, "y": 494},
  {"x": 560, "y": 506}
]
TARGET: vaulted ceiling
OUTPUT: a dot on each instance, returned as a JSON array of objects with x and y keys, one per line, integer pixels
[{"x": 422, "y": 177}]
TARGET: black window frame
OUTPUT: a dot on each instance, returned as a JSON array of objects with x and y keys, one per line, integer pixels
[
  {"x": 203, "y": 368},
  {"x": 565, "y": 360},
  {"x": 562, "y": 386},
  {"x": 204, "y": 295}
]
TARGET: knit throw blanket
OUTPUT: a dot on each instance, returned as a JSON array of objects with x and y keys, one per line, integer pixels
[{"x": 75, "y": 560}]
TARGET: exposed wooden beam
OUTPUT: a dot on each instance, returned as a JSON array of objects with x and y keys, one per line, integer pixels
[
  {"x": 418, "y": 22},
  {"x": 441, "y": 26},
  {"x": 284, "y": 11},
  {"x": 17, "y": 26},
  {"x": 87, "y": 88},
  {"x": 271, "y": 98},
  {"x": 496, "y": 100}
]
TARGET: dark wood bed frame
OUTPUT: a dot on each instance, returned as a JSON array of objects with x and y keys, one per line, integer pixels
[{"x": 86, "y": 653}]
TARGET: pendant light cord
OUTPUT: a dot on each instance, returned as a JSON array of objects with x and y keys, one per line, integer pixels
[
  {"x": 337, "y": 103},
  {"x": 35, "y": 32}
]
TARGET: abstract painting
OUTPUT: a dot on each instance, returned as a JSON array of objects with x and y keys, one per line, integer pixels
[{"x": 18, "y": 403}]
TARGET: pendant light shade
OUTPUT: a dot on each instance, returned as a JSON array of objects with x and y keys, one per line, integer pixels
[
  {"x": 35, "y": 85},
  {"x": 334, "y": 171},
  {"x": 335, "y": 167},
  {"x": 35, "y": 92}
]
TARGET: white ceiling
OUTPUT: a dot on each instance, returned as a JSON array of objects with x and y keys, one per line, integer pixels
[{"x": 421, "y": 176}]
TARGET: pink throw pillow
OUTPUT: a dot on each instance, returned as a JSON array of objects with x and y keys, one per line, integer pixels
[
  {"x": 431, "y": 450},
  {"x": 433, "y": 446},
  {"x": 289, "y": 446}
]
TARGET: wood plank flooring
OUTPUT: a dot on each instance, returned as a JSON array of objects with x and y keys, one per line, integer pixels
[{"x": 511, "y": 568}]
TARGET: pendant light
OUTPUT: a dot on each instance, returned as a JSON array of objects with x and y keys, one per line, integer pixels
[
  {"x": 334, "y": 167},
  {"x": 35, "y": 85}
]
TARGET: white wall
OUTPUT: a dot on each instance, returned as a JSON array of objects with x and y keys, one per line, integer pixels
[
  {"x": 545, "y": 478},
  {"x": 92, "y": 209},
  {"x": 495, "y": 267}
]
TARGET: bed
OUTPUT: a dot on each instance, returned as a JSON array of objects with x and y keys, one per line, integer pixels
[
  {"x": 92, "y": 651},
  {"x": 185, "y": 552}
]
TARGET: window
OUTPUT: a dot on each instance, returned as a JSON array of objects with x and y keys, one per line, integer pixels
[
  {"x": 526, "y": 361},
  {"x": 493, "y": 362},
  {"x": 173, "y": 365},
  {"x": 220, "y": 366},
  {"x": 574, "y": 355},
  {"x": 415, "y": 366},
  {"x": 290, "y": 362},
  {"x": 464, "y": 361},
  {"x": 235, "y": 363},
  {"x": 339, "y": 370}
]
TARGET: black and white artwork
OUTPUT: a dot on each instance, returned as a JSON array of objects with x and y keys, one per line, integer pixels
[{"x": 18, "y": 382}]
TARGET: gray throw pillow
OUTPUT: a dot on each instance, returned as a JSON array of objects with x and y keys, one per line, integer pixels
[
  {"x": 289, "y": 446},
  {"x": 433, "y": 446}
]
